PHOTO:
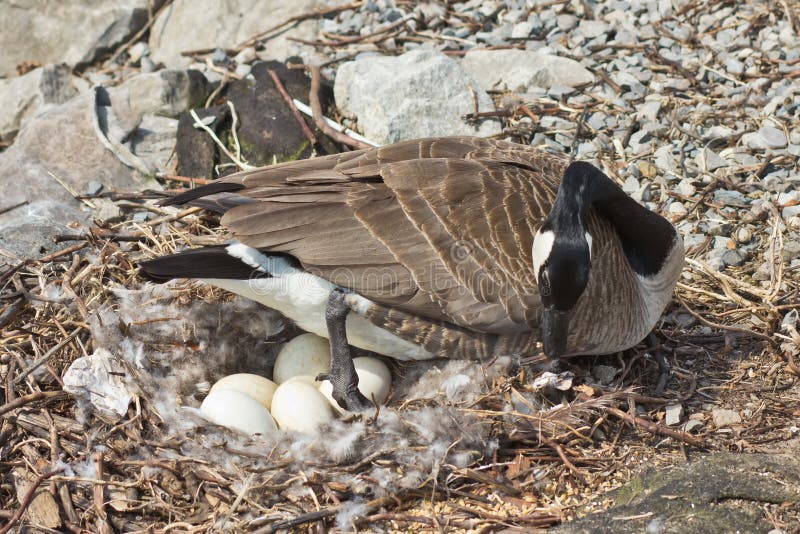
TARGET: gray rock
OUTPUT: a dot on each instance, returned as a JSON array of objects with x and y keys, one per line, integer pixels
[
  {"x": 93, "y": 187},
  {"x": 791, "y": 211},
  {"x": 686, "y": 187},
  {"x": 692, "y": 424},
  {"x": 521, "y": 70},
  {"x": 673, "y": 414},
  {"x": 61, "y": 149},
  {"x": 723, "y": 492},
  {"x": 68, "y": 31},
  {"x": 766, "y": 137},
  {"x": 522, "y": 30},
  {"x": 592, "y": 28},
  {"x": 677, "y": 208},
  {"x": 734, "y": 66},
  {"x": 640, "y": 142},
  {"x": 38, "y": 90},
  {"x": 137, "y": 51},
  {"x": 709, "y": 160},
  {"x": 649, "y": 110},
  {"x": 247, "y": 55},
  {"x": 566, "y": 22},
  {"x": 154, "y": 140},
  {"x": 243, "y": 70},
  {"x": 723, "y": 418},
  {"x": 421, "y": 93},
  {"x": 166, "y": 92},
  {"x": 193, "y": 24},
  {"x": 598, "y": 121}
]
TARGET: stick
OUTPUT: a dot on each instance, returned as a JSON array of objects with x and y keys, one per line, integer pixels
[
  {"x": 27, "y": 498},
  {"x": 653, "y": 428},
  {"x": 719, "y": 326},
  {"x": 199, "y": 124},
  {"x": 316, "y": 110},
  {"x": 38, "y": 363},
  {"x": 567, "y": 462},
  {"x": 333, "y": 124},
  {"x": 319, "y": 514},
  {"x": 289, "y": 102},
  {"x": 97, "y": 494},
  {"x": 138, "y": 34},
  {"x": 66, "y": 283},
  {"x": 19, "y": 402},
  {"x": 296, "y": 18}
]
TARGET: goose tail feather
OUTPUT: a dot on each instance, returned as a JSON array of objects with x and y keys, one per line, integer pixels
[{"x": 206, "y": 262}]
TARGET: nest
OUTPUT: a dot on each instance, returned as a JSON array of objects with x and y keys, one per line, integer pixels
[
  {"x": 501, "y": 452},
  {"x": 507, "y": 452}
]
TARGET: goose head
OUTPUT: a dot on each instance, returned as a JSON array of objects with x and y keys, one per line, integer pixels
[{"x": 562, "y": 259}]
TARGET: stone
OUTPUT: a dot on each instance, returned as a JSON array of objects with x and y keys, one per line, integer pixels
[
  {"x": 566, "y": 22},
  {"x": 93, "y": 187},
  {"x": 723, "y": 418},
  {"x": 649, "y": 110},
  {"x": 74, "y": 32},
  {"x": 195, "y": 151},
  {"x": 247, "y": 55},
  {"x": 62, "y": 149},
  {"x": 692, "y": 424},
  {"x": 267, "y": 129},
  {"x": 521, "y": 70},
  {"x": 673, "y": 414},
  {"x": 592, "y": 28},
  {"x": 722, "y": 492},
  {"x": 30, "y": 94},
  {"x": 709, "y": 160},
  {"x": 137, "y": 51},
  {"x": 196, "y": 24},
  {"x": 767, "y": 137},
  {"x": 677, "y": 209},
  {"x": 421, "y": 93},
  {"x": 686, "y": 187},
  {"x": 154, "y": 140},
  {"x": 166, "y": 92},
  {"x": 522, "y": 30}
]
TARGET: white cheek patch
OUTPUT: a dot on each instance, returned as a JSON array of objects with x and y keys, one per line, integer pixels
[{"x": 542, "y": 246}]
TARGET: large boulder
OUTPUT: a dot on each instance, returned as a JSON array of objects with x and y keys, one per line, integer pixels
[
  {"x": 38, "y": 90},
  {"x": 69, "y": 31},
  {"x": 713, "y": 493},
  {"x": 198, "y": 24},
  {"x": 95, "y": 137},
  {"x": 422, "y": 93},
  {"x": 520, "y": 71}
]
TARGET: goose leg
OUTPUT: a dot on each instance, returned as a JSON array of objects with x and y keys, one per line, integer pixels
[
  {"x": 342, "y": 372},
  {"x": 663, "y": 365}
]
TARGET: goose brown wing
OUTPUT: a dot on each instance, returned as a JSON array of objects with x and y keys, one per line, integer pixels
[{"x": 441, "y": 227}]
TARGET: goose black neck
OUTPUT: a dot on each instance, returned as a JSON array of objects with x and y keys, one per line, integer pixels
[{"x": 646, "y": 236}]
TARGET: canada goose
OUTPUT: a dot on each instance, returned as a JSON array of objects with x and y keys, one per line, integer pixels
[{"x": 455, "y": 247}]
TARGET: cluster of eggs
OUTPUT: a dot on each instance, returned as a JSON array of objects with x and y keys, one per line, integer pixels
[{"x": 294, "y": 400}]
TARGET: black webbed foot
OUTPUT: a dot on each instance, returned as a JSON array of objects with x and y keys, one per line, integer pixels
[{"x": 342, "y": 372}]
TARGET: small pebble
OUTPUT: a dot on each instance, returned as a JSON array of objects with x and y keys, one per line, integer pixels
[
  {"x": 723, "y": 418},
  {"x": 673, "y": 414}
]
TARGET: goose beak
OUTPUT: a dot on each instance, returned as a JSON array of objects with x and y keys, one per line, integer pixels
[{"x": 555, "y": 328}]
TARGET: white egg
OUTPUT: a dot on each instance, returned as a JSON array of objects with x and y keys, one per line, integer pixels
[
  {"x": 256, "y": 386},
  {"x": 374, "y": 378},
  {"x": 306, "y": 355},
  {"x": 298, "y": 405},
  {"x": 235, "y": 410}
]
